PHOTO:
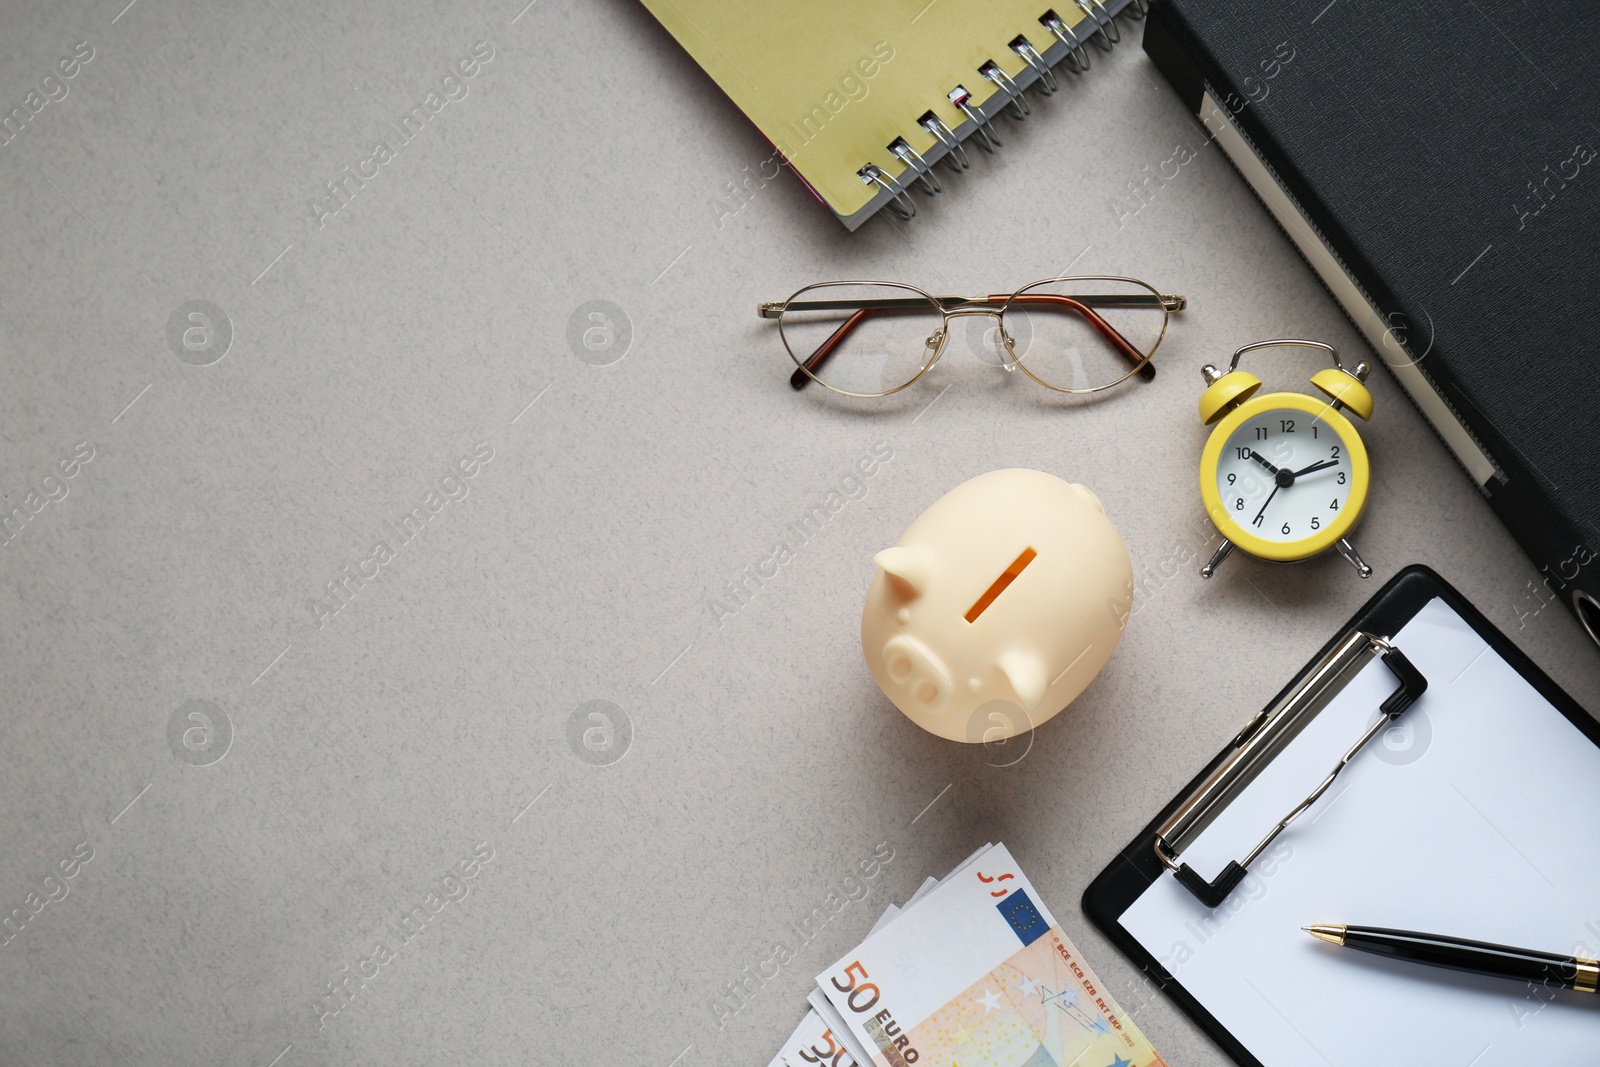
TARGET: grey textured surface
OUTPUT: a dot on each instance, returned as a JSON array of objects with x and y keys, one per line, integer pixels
[{"x": 631, "y": 904}]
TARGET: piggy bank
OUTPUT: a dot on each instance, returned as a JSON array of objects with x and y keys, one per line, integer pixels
[{"x": 1012, "y": 587}]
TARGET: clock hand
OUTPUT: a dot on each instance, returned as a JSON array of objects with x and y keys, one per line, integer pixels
[
  {"x": 1264, "y": 503},
  {"x": 1317, "y": 467},
  {"x": 1258, "y": 458}
]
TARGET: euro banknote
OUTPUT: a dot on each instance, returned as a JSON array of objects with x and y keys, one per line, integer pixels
[{"x": 977, "y": 972}]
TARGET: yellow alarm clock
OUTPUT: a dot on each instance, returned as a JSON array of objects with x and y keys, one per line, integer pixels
[{"x": 1284, "y": 475}]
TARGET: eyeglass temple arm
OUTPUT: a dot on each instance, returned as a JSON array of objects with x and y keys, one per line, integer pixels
[
  {"x": 800, "y": 378},
  {"x": 775, "y": 309}
]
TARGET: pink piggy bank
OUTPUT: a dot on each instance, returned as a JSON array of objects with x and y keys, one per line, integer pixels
[{"x": 1012, "y": 587}]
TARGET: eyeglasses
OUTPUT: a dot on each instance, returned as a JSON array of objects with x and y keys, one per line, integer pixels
[{"x": 1074, "y": 335}]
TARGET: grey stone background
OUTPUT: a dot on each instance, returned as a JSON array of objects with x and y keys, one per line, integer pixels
[{"x": 218, "y": 799}]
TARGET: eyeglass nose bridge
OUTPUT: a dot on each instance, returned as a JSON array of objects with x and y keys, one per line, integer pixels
[
  {"x": 971, "y": 309},
  {"x": 1005, "y": 344}
]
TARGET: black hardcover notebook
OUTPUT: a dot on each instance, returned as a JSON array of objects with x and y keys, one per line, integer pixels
[{"x": 1438, "y": 164}]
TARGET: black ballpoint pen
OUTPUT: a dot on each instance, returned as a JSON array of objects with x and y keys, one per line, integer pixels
[{"x": 1477, "y": 957}]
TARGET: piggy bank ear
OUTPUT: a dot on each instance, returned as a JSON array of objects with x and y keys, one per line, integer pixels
[
  {"x": 1025, "y": 671},
  {"x": 909, "y": 568},
  {"x": 1088, "y": 494}
]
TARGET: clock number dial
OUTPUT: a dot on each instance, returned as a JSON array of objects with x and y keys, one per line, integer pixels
[{"x": 1274, "y": 471}]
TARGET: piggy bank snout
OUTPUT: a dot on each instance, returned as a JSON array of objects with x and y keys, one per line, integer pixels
[{"x": 917, "y": 672}]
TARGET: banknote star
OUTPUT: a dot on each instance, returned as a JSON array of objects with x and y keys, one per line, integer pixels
[
  {"x": 1100, "y": 1026},
  {"x": 991, "y": 1001},
  {"x": 1027, "y": 987},
  {"x": 963, "y": 1037},
  {"x": 1064, "y": 999},
  {"x": 1120, "y": 1062}
]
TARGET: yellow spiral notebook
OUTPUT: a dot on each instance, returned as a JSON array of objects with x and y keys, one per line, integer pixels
[{"x": 861, "y": 99}]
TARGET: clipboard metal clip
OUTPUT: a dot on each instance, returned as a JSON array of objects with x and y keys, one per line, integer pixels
[{"x": 1267, "y": 735}]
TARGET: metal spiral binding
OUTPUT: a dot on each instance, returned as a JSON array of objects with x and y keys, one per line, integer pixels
[
  {"x": 956, "y": 152},
  {"x": 926, "y": 181},
  {"x": 1017, "y": 107},
  {"x": 900, "y": 205},
  {"x": 1098, "y": 25},
  {"x": 981, "y": 126},
  {"x": 1030, "y": 55},
  {"x": 1110, "y": 34},
  {"x": 1077, "y": 57}
]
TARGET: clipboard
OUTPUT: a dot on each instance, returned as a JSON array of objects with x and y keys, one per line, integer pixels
[{"x": 1380, "y": 842}]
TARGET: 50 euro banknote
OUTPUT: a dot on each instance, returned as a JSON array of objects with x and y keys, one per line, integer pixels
[
  {"x": 814, "y": 1043},
  {"x": 979, "y": 973}
]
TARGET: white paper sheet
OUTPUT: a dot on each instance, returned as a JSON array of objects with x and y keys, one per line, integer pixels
[{"x": 1481, "y": 819}]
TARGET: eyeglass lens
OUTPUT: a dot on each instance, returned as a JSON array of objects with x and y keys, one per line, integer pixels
[
  {"x": 1083, "y": 334},
  {"x": 879, "y": 338}
]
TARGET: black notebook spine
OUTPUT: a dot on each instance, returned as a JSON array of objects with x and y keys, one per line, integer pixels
[{"x": 1566, "y": 554}]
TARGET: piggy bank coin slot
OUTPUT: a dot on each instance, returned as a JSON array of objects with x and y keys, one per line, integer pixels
[{"x": 1007, "y": 576}]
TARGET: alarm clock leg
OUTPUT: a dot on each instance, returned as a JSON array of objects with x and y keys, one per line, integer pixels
[
  {"x": 1218, "y": 556},
  {"x": 1348, "y": 551}
]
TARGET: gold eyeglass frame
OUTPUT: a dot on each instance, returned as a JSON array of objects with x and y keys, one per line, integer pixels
[{"x": 952, "y": 307}]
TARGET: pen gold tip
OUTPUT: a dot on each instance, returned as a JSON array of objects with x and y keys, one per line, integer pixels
[{"x": 1329, "y": 932}]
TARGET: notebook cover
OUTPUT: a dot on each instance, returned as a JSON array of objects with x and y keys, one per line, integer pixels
[
  {"x": 1448, "y": 155},
  {"x": 831, "y": 83}
]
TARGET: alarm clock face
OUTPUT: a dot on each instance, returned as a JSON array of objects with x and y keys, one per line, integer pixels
[{"x": 1285, "y": 476}]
